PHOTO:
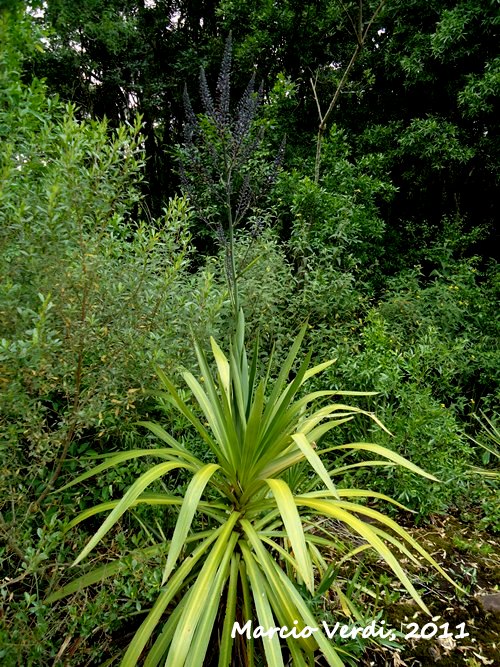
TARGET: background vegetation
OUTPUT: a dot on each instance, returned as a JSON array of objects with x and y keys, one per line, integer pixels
[{"x": 112, "y": 259}]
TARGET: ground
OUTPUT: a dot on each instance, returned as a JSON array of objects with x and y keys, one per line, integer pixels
[{"x": 472, "y": 557}]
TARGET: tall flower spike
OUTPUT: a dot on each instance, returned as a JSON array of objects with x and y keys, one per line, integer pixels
[
  {"x": 221, "y": 236},
  {"x": 260, "y": 95},
  {"x": 222, "y": 167},
  {"x": 250, "y": 144},
  {"x": 245, "y": 112},
  {"x": 223, "y": 90},
  {"x": 244, "y": 198},
  {"x": 206, "y": 97},
  {"x": 248, "y": 94}
]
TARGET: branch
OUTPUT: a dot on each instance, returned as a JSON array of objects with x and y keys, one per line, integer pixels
[
  {"x": 350, "y": 17},
  {"x": 336, "y": 95},
  {"x": 313, "y": 86},
  {"x": 360, "y": 39},
  {"x": 373, "y": 18}
]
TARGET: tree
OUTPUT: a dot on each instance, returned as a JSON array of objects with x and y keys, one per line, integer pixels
[
  {"x": 116, "y": 59},
  {"x": 432, "y": 112}
]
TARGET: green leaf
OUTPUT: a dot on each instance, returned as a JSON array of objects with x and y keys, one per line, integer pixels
[
  {"x": 223, "y": 368},
  {"x": 279, "y": 465},
  {"x": 176, "y": 583},
  {"x": 283, "y": 375},
  {"x": 311, "y": 372},
  {"x": 183, "y": 409},
  {"x": 214, "y": 415},
  {"x": 307, "y": 617},
  {"x": 128, "y": 499},
  {"x": 166, "y": 437},
  {"x": 284, "y": 604},
  {"x": 388, "y": 453},
  {"x": 116, "y": 459},
  {"x": 188, "y": 622},
  {"x": 314, "y": 460},
  {"x": 101, "y": 573},
  {"x": 247, "y": 611},
  {"x": 217, "y": 510},
  {"x": 294, "y": 529},
  {"x": 204, "y": 629},
  {"x": 385, "y": 520},
  {"x": 157, "y": 653},
  {"x": 334, "y": 509},
  {"x": 252, "y": 433},
  {"x": 272, "y": 649},
  {"x": 316, "y": 433},
  {"x": 188, "y": 509},
  {"x": 359, "y": 493},
  {"x": 226, "y": 644},
  {"x": 288, "y": 598}
]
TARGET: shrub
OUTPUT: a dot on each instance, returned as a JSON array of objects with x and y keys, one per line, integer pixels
[
  {"x": 429, "y": 348},
  {"x": 489, "y": 442},
  {"x": 88, "y": 287}
]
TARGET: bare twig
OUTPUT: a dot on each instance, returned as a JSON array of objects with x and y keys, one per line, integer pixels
[
  {"x": 324, "y": 119},
  {"x": 361, "y": 37},
  {"x": 350, "y": 17},
  {"x": 313, "y": 86},
  {"x": 373, "y": 18}
]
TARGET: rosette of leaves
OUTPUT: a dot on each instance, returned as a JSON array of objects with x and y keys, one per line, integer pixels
[{"x": 260, "y": 496}]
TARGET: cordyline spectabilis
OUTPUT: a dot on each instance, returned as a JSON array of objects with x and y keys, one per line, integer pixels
[{"x": 259, "y": 544}]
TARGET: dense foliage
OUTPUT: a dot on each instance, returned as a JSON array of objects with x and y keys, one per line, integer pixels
[{"x": 136, "y": 220}]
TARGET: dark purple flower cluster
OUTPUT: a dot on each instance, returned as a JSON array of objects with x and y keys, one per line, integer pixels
[{"x": 222, "y": 167}]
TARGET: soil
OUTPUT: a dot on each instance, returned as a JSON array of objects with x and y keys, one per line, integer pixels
[{"x": 472, "y": 558}]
